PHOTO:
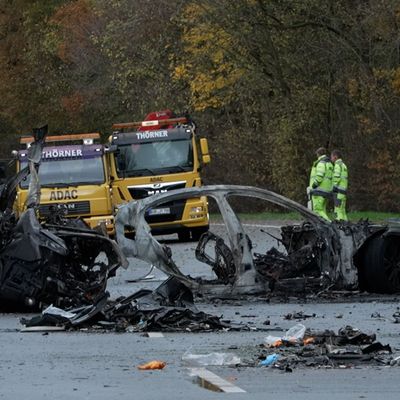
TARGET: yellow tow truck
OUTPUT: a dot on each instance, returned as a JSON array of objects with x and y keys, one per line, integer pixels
[
  {"x": 74, "y": 178},
  {"x": 156, "y": 155}
]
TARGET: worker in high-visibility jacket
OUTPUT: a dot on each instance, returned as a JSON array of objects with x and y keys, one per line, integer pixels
[
  {"x": 340, "y": 184},
  {"x": 320, "y": 186}
]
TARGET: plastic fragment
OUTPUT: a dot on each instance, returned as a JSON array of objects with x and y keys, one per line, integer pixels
[
  {"x": 308, "y": 340},
  {"x": 211, "y": 359},
  {"x": 395, "y": 361},
  {"x": 271, "y": 359},
  {"x": 295, "y": 334},
  {"x": 152, "y": 365},
  {"x": 58, "y": 311},
  {"x": 273, "y": 341}
]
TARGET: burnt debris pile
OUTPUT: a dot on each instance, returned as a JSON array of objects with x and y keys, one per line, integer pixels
[
  {"x": 169, "y": 308},
  {"x": 349, "y": 347},
  {"x": 63, "y": 262},
  {"x": 60, "y": 265}
]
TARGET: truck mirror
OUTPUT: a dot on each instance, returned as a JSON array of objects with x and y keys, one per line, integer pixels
[
  {"x": 204, "y": 146},
  {"x": 111, "y": 148},
  {"x": 204, "y": 150},
  {"x": 206, "y": 159}
]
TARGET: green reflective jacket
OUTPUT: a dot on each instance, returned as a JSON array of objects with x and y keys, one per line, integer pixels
[
  {"x": 321, "y": 176},
  {"x": 340, "y": 176}
]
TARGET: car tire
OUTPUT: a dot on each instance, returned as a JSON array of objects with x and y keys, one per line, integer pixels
[
  {"x": 184, "y": 235},
  {"x": 381, "y": 265},
  {"x": 197, "y": 232}
]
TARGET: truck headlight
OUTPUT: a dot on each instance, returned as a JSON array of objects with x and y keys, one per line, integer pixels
[{"x": 105, "y": 222}]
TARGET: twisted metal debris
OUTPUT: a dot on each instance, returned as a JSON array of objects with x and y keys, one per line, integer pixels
[{"x": 63, "y": 263}]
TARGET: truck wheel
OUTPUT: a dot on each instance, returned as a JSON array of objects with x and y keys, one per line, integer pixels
[
  {"x": 381, "y": 265},
  {"x": 197, "y": 232},
  {"x": 184, "y": 235}
]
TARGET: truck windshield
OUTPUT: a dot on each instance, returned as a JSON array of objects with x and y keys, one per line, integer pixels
[
  {"x": 140, "y": 159},
  {"x": 68, "y": 172}
]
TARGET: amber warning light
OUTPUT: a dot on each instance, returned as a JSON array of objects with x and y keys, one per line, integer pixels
[
  {"x": 161, "y": 122},
  {"x": 86, "y": 138}
]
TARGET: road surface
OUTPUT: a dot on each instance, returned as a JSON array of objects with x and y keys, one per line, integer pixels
[{"x": 83, "y": 365}]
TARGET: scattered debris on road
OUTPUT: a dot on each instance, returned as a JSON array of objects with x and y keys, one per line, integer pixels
[
  {"x": 348, "y": 348},
  {"x": 152, "y": 365},
  {"x": 396, "y": 317},
  {"x": 299, "y": 315},
  {"x": 227, "y": 359},
  {"x": 294, "y": 336},
  {"x": 169, "y": 308}
]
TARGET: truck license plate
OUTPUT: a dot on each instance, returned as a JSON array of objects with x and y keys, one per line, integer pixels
[{"x": 159, "y": 211}]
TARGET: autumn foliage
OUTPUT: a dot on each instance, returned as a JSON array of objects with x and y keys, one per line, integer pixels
[{"x": 267, "y": 81}]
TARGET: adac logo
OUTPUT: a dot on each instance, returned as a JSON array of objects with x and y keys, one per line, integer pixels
[
  {"x": 156, "y": 179},
  {"x": 63, "y": 194}
]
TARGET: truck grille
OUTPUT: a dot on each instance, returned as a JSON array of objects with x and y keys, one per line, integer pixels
[
  {"x": 176, "y": 207},
  {"x": 140, "y": 192},
  {"x": 73, "y": 208}
]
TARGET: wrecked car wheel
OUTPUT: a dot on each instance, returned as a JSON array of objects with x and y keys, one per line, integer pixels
[
  {"x": 191, "y": 235},
  {"x": 184, "y": 235},
  {"x": 381, "y": 265},
  {"x": 197, "y": 232}
]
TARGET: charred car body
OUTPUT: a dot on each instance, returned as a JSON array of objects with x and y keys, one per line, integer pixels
[
  {"x": 60, "y": 261},
  {"x": 313, "y": 256}
]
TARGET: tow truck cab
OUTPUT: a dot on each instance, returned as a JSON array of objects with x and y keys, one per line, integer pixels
[
  {"x": 160, "y": 154},
  {"x": 74, "y": 179}
]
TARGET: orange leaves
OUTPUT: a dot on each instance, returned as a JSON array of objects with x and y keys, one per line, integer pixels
[
  {"x": 74, "y": 16},
  {"x": 384, "y": 173},
  {"x": 383, "y": 163},
  {"x": 73, "y": 103},
  {"x": 75, "y": 22}
]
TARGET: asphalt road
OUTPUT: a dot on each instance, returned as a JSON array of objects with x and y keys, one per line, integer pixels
[{"x": 82, "y": 365}]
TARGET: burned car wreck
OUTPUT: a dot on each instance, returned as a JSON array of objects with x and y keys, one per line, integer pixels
[
  {"x": 59, "y": 261},
  {"x": 313, "y": 256}
]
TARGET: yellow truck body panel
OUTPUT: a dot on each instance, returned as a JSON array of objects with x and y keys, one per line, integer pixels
[
  {"x": 156, "y": 161},
  {"x": 74, "y": 180}
]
